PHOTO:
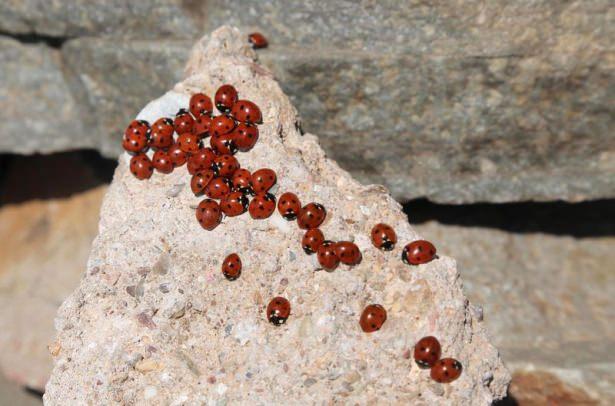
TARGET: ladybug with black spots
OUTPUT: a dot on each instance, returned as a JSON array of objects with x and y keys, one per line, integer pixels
[
  {"x": 183, "y": 122},
  {"x": 247, "y": 112},
  {"x": 225, "y": 97},
  {"x": 200, "y": 160},
  {"x": 311, "y": 216},
  {"x": 136, "y": 136},
  {"x": 200, "y": 104},
  {"x": 245, "y": 136},
  {"x": 222, "y": 124},
  {"x": 312, "y": 239},
  {"x": 141, "y": 166},
  {"x": 242, "y": 181},
  {"x": 223, "y": 144},
  {"x": 446, "y": 370},
  {"x": 348, "y": 252},
  {"x": 200, "y": 180},
  {"x": 278, "y": 311},
  {"x": 178, "y": 157},
  {"x": 262, "y": 205},
  {"x": 188, "y": 143},
  {"x": 208, "y": 214},
  {"x": 218, "y": 187},
  {"x": 418, "y": 252},
  {"x": 427, "y": 352},
  {"x": 383, "y": 237},
  {"x": 289, "y": 206},
  {"x": 231, "y": 267},
  {"x": 162, "y": 161},
  {"x": 327, "y": 258},
  {"x": 372, "y": 318},
  {"x": 162, "y": 133},
  {"x": 258, "y": 40},
  {"x": 234, "y": 204},
  {"x": 202, "y": 126},
  {"x": 263, "y": 180},
  {"x": 225, "y": 165}
]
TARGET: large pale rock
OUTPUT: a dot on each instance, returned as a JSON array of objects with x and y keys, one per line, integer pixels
[{"x": 153, "y": 320}]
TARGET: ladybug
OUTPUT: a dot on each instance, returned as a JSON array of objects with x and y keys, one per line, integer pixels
[
  {"x": 202, "y": 159},
  {"x": 311, "y": 216},
  {"x": 141, "y": 166},
  {"x": 208, "y": 214},
  {"x": 225, "y": 97},
  {"x": 384, "y": 237},
  {"x": 372, "y": 318},
  {"x": 327, "y": 258},
  {"x": 188, "y": 143},
  {"x": 418, "y": 252},
  {"x": 262, "y": 205},
  {"x": 162, "y": 133},
  {"x": 234, "y": 204},
  {"x": 223, "y": 144},
  {"x": 278, "y": 310},
  {"x": 178, "y": 157},
  {"x": 348, "y": 252},
  {"x": 289, "y": 206},
  {"x": 162, "y": 161},
  {"x": 257, "y": 40},
  {"x": 202, "y": 125},
  {"x": 225, "y": 165},
  {"x": 312, "y": 239},
  {"x": 183, "y": 122},
  {"x": 427, "y": 352},
  {"x": 217, "y": 188},
  {"x": 200, "y": 104},
  {"x": 200, "y": 180},
  {"x": 446, "y": 370},
  {"x": 245, "y": 136},
  {"x": 222, "y": 124},
  {"x": 231, "y": 267},
  {"x": 247, "y": 112},
  {"x": 263, "y": 180},
  {"x": 136, "y": 136},
  {"x": 242, "y": 181}
]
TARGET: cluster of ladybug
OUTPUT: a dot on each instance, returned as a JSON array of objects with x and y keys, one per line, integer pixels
[
  {"x": 217, "y": 174},
  {"x": 427, "y": 353}
]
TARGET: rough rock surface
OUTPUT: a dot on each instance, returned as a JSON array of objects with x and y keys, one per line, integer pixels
[{"x": 153, "y": 320}]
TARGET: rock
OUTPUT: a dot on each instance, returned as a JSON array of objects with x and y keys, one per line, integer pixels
[{"x": 223, "y": 338}]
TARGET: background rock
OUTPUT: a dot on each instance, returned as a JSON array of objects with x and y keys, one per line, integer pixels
[{"x": 460, "y": 102}]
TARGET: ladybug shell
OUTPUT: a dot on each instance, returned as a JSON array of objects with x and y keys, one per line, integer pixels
[
  {"x": 312, "y": 239},
  {"x": 217, "y": 188},
  {"x": 188, "y": 143},
  {"x": 246, "y": 111},
  {"x": 202, "y": 125},
  {"x": 262, "y": 205},
  {"x": 223, "y": 144},
  {"x": 178, "y": 157},
  {"x": 200, "y": 104},
  {"x": 245, "y": 136},
  {"x": 201, "y": 160},
  {"x": 162, "y": 134},
  {"x": 348, "y": 252},
  {"x": 278, "y": 310},
  {"x": 372, "y": 318},
  {"x": 225, "y": 165},
  {"x": 263, "y": 180},
  {"x": 234, "y": 204},
  {"x": 136, "y": 136},
  {"x": 140, "y": 127},
  {"x": 183, "y": 122},
  {"x": 221, "y": 125},
  {"x": 141, "y": 166},
  {"x": 418, "y": 252},
  {"x": 162, "y": 161},
  {"x": 383, "y": 237},
  {"x": 242, "y": 181},
  {"x": 231, "y": 267},
  {"x": 225, "y": 97},
  {"x": 208, "y": 214},
  {"x": 427, "y": 352},
  {"x": 289, "y": 205},
  {"x": 311, "y": 216},
  {"x": 446, "y": 370},
  {"x": 257, "y": 40},
  {"x": 200, "y": 180},
  {"x": 327, "y": 258}
]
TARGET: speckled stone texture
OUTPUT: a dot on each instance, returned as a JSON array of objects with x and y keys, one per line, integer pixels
[{"x": 155, "y": 322}]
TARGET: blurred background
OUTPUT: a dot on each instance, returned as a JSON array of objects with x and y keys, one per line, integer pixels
[{"x": 491, "y": 121}]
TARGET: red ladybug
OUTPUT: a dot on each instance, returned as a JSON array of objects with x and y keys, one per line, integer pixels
[
  {"x": 178, "y": 157},
  {"x": 326, "y": 255},
  {"x": 246, "y": 112},
  {"x": 242, "y": 181},
  {"x": 200, "y": 104},
  {"x": 188, "y": 143},
  {"x": 418, "y": 252},
  {"x": 222, "y": 124},
  {"x": 202, "y": 159},
  {"x": 278, "y": 310},
  {"x": 245, "y": 136},
  {"x": 136, "y": 136},
  {"x": 223, "y": 144},
  {"x": 217, "y": 188},
  {"x": 183, "y": 122},
  {"x": 372, "y": 318},
  {"x": 231, "y": 267},
  {"x": 263, "y": 180},
  {"x": 289, "y": 206},
  {"x": 208, "y": 214},
  {"x": 312, "y": 239},
  {"x": 225, "y": 97},
  {"x": 202, "y": 125},
  {"x": 225, "y": 165},
  {"x": 384, "y": 237},
  {"x": 427, "y": 352},
  {"x": 234, "y": 204},
  {"x": 446, "y": 370},
  {"x": 162, "y": 133},
  {"x": 311, "y": 216},
  {"x": 262, "y": 205},
  {"x": 348, "y": 252},
  {"x": 141, "y": 166},
  {"x": 162, "y": 161},
  {"x": 200, "y": 180},
  {"x": 257, "y": 40}
]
